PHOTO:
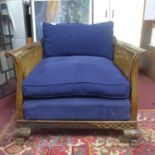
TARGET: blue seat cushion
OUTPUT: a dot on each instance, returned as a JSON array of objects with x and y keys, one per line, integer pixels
[
  {"x": 76, "y": 76},
  {"x": 77, "y": 109},
  {"x": 78, "y": 39}
]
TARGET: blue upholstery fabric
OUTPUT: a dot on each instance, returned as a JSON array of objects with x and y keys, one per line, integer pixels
[
  {"x": 76, "y": 76},
  {"x": 77, "y": 109},
  {"x": 78, "y": 39}
]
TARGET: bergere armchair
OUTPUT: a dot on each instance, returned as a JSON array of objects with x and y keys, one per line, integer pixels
[{"x": 79, "y": 77}]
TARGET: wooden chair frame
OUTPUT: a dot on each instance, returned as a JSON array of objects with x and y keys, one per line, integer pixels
[{"x": 126, "y": 57}]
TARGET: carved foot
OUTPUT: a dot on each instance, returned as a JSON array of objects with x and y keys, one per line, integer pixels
[
  {"x": 132, "y": 136},
  {"x": 19, "y": 141},
  {"x": 21, "y": 134}
]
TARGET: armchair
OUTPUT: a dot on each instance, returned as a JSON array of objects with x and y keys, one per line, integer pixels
[{"x": 125, "y": 59}]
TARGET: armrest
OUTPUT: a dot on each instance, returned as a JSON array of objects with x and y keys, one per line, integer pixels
[
  {"x": 127, "y": 57},
  {"x": 25, "y": 59}
]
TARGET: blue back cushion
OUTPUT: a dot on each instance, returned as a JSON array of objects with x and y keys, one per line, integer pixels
[{"x": 78, "y": 39}]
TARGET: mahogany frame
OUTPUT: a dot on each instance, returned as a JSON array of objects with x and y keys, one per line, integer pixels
[{"x": 126, "y": 57}]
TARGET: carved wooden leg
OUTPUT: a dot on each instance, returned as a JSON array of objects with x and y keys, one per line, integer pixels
[
  {"x": 21, "y": 134},
  {"x": 132, "y": 136}
]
